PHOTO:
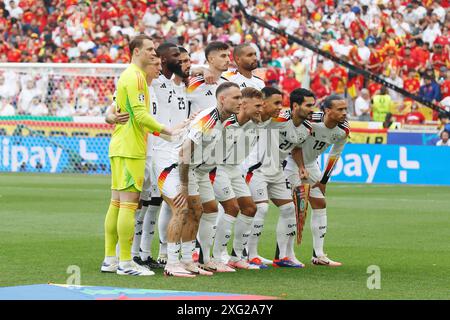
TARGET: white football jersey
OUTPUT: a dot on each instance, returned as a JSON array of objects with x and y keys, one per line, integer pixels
[
  {"x": 244, "y": 82},
  {"x": 240, "y": 141},
  {"x": 153, "y": 110},
  {"x": 319, "y": 141},
  {"x": 206, "y": 131},
  {"x": 277, "y": 142},
  {"x": 171, "y": 110},
  {"x": 322, "y": 137},
  {"x": 201, "y": 95}
]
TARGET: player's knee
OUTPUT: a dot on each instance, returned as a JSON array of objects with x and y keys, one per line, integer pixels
[
  {"x": 287, "y": 210},
  {"x": 196, "y": 212},
  {"x": 249, "y": 210},
  {"x": 210, "y": 206},
  {"x": 318, "y": 203},
  {"x": 232, "y": 209}
]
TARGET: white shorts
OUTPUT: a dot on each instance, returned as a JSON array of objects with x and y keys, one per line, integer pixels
[
  {"x": 229, "y": 183},
  {"x": 167, "y": 177},
  {"x": 150, "y": 186},
  {"x": 315, "y": 175},
  {"x": 264, "y": 187},
  {"x": 200, "y": 183}
]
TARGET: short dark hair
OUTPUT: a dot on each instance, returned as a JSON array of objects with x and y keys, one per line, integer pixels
[
  {"x": 298, "y": 96},
  {"x": 183, "y": 49},
  {"x": 270, "y": 91},
  {"x": 328, "y": 102},
  {"x": 250, "y": 93},
  {"x": 215, "y": 46},
  {"x": 238, "y": 49},
  {"x": 225, "y": 86},
  {"x": 164, "y": 47},
  {"x": 138, "y": 42}
]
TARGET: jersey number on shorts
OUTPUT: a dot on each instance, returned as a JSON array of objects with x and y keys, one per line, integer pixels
[
  {"x": 318, "y": 145},
  {"x": 154, "y": 108}
]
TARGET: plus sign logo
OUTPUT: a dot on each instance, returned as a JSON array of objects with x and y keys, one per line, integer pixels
[{"x": 405, "y": 164}]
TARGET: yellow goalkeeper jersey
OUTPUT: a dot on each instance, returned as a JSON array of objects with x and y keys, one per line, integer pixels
[{"x": 130, "y": 139}]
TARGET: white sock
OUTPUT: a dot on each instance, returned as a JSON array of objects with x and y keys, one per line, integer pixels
[
  {"x": 223, "y": 234},
  {"x": 242, "y": 230},
  {"x": 148, "y": 231},
  {"x": 257, "y": 228},
  {"x": 286, "y": 227},
  {"x": 187, "y": 249},
  {"x": 220, "y": 213},
  {"x": 173, "y": 252},
  {"x": 110, "y": 260},
  {"x": 290, "y": 247},
  {"x": 205, "y": 236},
  {"x": 138, "y": 218},
  {"x": 318, "y": 229},
  {"x": 124, "y": 264},
  {"x": 164, "y": 218}
]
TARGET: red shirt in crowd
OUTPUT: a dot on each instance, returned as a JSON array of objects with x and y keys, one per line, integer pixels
[
  {"x": 445, "y": 88},
  {"x": 409, "y": 62},
  {"x": 322, "y": 91},
  {"x": 411, "y": 85},
  {"x": 420, "y": 55},
  {"x": 14, "y": 55},
  {"x": 439, "y": 60},
  {"x": 289, "y": 84},
  {"x": 103, "y": 58},
  {"x": 338, "y": 77},
  {"x": 414, "y": 117},
  {"x": 61, "y": 58},
  {"x": 358, "y": 25},
  {"x": 315, "y": 79},
  {"x": 272, "y": 75},
  {"x": 373, "y": 88}
]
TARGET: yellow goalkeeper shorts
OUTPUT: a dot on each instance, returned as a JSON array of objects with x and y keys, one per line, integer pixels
[{"x": 127, "y": 174}]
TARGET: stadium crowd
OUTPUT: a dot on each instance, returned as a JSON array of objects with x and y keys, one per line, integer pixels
[{"x": 407, "y": 42}]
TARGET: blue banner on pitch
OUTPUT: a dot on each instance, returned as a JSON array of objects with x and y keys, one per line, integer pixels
[
  {"x": 54, "y": 154},
  {"x": 392, "y": 164}
]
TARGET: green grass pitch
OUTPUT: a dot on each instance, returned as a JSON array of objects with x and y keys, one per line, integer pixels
[{"x": 50, "y": 222}]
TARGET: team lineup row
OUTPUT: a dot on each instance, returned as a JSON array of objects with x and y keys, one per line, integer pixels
[{"x": 218, "y": 136}]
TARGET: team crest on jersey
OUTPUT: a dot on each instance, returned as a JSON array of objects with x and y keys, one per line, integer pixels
[
  {"x": 334, "y": 137},
  {"x": 141, "y": 98}
]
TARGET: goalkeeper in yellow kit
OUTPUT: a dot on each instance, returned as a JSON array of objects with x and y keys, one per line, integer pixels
[{"x": 127, "y": 152}]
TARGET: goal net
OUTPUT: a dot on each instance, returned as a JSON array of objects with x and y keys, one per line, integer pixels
[{"x": 52, "y": 117}]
